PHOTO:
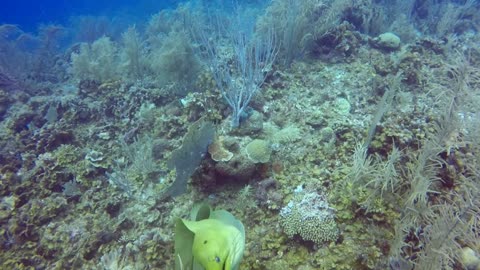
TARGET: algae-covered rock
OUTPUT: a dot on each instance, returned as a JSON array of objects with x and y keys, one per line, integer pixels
[
  {"x": 240, "y": 168},
  {"x": 387, "y": 41},
  {"x": 342, "y": 106}
]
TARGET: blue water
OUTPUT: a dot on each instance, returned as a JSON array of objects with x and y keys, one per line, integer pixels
[{"x": 28, "y": 15}]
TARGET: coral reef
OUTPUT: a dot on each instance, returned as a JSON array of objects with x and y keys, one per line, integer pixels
[{"x": 358, "y": 148}]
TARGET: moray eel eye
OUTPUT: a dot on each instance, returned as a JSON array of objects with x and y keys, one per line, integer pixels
[{"x": 217, "y": 259}]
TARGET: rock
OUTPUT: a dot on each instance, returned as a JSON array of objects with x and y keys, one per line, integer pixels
[{"x": 387, "y": 41}]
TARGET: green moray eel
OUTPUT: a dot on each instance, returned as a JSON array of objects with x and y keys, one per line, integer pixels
[
  {"x": 210, "y": 240},
  {"x": 216, "y": 245}
]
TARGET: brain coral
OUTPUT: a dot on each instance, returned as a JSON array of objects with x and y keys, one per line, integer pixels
[
  {"x": 258, "y": 151},
  {"x": 309, "y": 216}
]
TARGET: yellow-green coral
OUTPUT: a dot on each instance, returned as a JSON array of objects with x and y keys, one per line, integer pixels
[{"x": 258, "y": 151}]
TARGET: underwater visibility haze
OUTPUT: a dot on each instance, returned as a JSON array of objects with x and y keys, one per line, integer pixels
[{"x": 280, "y": 134}]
